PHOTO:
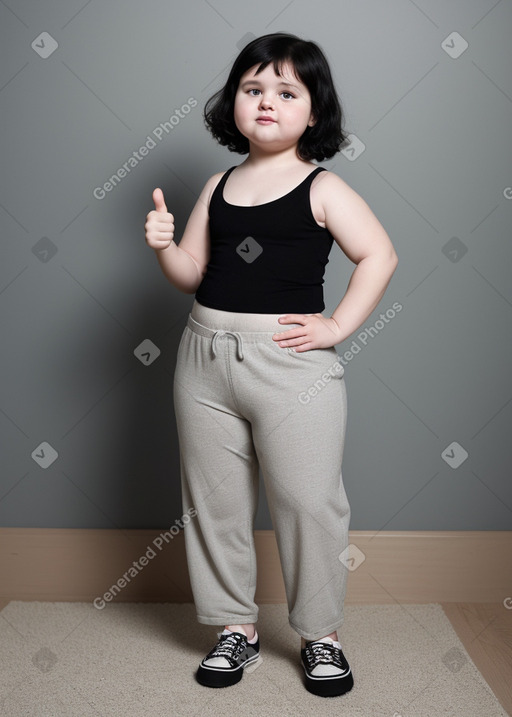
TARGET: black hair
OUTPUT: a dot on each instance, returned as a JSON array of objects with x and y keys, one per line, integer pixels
[{"x": 321, "y": 141}]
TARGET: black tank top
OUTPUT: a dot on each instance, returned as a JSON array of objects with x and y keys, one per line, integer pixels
[{"x": 266, "y": 259}]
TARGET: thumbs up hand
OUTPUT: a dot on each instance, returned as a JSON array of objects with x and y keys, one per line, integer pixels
[{"x": 159, "y": 223}]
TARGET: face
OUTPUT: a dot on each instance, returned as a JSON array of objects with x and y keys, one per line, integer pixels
[{"x": 284, "y": 100}]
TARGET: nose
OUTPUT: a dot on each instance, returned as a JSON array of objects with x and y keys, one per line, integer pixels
[{"x": 266, "y": 100}]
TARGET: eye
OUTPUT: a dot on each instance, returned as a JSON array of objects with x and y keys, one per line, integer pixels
[
  {"x": 253, "y": 90},
  {"x": 289, "y": 95}
]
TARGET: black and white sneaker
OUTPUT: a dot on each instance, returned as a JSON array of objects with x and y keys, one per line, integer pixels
[
  {"x": 328, "y": 673},
  {"x": 224, "y": 665}
]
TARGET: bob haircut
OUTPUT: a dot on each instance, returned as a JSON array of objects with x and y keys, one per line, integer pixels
[{"x": 324, "y": 139}]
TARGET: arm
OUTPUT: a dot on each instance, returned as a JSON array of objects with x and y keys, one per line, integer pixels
[
  {"x": 184, "y": 265},
  {"x": 362, "y": 238}
]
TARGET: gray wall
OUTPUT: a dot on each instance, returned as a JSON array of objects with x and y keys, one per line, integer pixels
[{"x": 80, "y": 290}]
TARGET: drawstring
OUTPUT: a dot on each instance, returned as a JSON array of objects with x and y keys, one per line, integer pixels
[{"x": 233, "y": 333}]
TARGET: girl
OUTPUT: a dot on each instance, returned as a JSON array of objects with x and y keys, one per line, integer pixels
[{"x": 248, "y": 393}]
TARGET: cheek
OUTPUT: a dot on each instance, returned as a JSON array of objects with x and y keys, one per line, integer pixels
[
  {"x": 240, "y": 110},
  {"x": 305, "y": 115},
  {"x": 237, "y": 113},
  {"x": 297, "y": 116}
]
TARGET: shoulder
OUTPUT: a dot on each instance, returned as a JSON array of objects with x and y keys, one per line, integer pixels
[
  {"x": 331, "y": 197},
  {"x": 335, "y": 197},
  {"x": 330, "y": 187},
  {"x": 350, "y": 220}
]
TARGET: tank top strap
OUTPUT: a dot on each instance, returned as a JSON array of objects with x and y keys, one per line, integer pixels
[
  {"x": 306, "y": 184},
  {"x": 217, "y": 192},
  {"x": 301, "y": 193}
]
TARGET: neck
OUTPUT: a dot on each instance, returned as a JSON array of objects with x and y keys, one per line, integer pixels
[{"x": 282, "y": 159}]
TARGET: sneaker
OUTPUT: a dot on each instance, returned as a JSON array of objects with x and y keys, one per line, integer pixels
[
  {"x": 327, "y": 671},
  {"x": 224, "y": 664}
]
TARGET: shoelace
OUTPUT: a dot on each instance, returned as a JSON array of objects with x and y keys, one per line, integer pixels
[
  {"x": 229, "y": 646},
  {"x": 323, "y": 653}
]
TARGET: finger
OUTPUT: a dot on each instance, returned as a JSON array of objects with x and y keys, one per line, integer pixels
[
  {"x": 288, "y": 335},
  {"x": 292, "y": 319},
  {"x": 158, "y": 198},
  {"x": 164, "y": 222},
  {"x": 160, "y": 243}
]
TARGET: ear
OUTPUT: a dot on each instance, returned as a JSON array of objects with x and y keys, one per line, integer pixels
[{"x": 312, "y": 120}]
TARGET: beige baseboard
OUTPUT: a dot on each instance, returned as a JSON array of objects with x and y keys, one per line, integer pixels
[{"x": 385, "y": 567}]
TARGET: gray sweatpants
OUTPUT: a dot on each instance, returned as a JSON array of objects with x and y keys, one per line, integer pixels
[{"x": 241, "y": 401}]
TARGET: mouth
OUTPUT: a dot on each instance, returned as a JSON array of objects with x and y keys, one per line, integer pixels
[{"x": 265, "y": 120}]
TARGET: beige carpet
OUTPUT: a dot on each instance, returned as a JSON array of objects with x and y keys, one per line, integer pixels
[{"x": 138, "y": 659}]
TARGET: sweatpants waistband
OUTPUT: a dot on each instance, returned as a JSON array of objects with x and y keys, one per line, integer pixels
[{"x": 253, "y": 327}]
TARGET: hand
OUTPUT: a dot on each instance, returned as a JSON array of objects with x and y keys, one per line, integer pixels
[
  {"x": 316, "y": 332},
  {"x": 159, "y": 224}
]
